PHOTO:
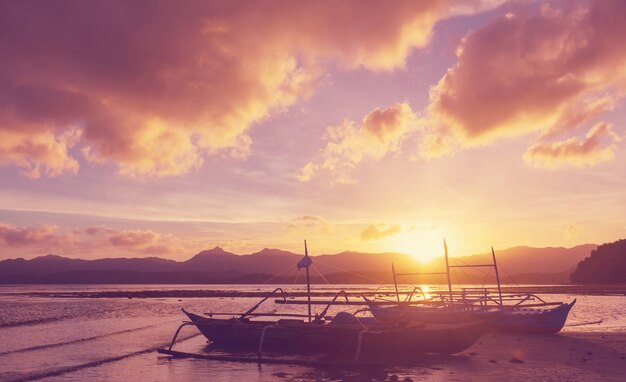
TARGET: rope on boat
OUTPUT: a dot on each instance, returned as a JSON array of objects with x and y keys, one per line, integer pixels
[
  {"x": 261, "y": 340},
  {"x": 276, "y": 275},
  {"x": 471, "y": 281},
  {"x": 509, "y": 276},
  {"x": 320, "y": 273},
  {"x": 419, "y": 287},
  {"x": 295, "y": 280},
  {"x": 486, "y": 278},
  {"x": 358, "y": 348},
  {"x": 350, "y": 272}
]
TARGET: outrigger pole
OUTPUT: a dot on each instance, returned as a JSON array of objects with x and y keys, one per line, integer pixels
[
  {"x": 495, "y": 266},
  {"x": 395, "y": 283},
  {"x": 445, "y": 248}
]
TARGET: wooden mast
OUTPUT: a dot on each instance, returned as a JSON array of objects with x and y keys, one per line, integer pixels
[
  {"x": 308, "y": 282},
  {"x": 395, "y": 283},
  {"x": 445, "y": 247},
  {"x": 495, "y": 266}
]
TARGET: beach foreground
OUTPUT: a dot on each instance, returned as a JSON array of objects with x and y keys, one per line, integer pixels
[
  {"x": 115, "y": 339},
  {"x": 568, "y": 356},
  {"x": 574, "y": 356}
]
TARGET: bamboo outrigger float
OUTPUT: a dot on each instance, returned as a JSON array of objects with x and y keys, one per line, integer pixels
[{"x": 361, "y": 339}]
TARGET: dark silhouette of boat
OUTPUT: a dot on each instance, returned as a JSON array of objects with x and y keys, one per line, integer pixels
[
  {"x": 506, "y": 319},
  {"x": 343, "y": 334},
  {"x": 543, "y": 317}
]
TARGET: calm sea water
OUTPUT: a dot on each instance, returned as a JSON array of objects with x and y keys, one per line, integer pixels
[{"x": 115, "y": 339}]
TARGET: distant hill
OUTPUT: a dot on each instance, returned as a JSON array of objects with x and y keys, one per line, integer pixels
[
  {"x": 53, "y": 263},
  {"x": 530, "y": 260},
  {"x": 607, "y": 264},
  {"x": 518, "y": 264}
]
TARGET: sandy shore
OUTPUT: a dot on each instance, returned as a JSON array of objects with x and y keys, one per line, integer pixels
[
  {"x": 577, "y": 354},
  {"x": 568, "y": 356}
]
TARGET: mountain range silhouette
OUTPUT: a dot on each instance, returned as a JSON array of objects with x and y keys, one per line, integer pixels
[{"x": 518, "y": 264}]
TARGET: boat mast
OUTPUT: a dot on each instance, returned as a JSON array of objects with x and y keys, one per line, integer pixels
[
  {"x": 308, "y": 282},
  {"x": 395, "y": 283},
  {"x": 495, "y": 266},
  {"x": 445, "y": 247}
]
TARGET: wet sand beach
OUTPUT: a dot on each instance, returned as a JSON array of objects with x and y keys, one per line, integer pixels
[
  {"x": 115, "y": 339},
  {"x": 567, "y": 356},
  {"x": 562, "y": 357}
]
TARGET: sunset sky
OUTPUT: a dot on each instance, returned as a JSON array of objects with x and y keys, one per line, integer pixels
[{"x": 161, "y": 128}]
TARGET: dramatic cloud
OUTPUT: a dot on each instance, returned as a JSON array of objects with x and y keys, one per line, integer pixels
[
  {"x": 379, "y": 231},
  {"x": 12, "y": 236},
  {"x": 578, "y": 115},
  {"x": 597, "y": 146},
  {"x": 380, "y": 132},
  {"x": 155, "y": 86},
  {"x": 540, "y": 69},
  {"x": 144, "y": 241},
  {"x": 94, "y": 240},
  {"x": 38, "y": 153}
]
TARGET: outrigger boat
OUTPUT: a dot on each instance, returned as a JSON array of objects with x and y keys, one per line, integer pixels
[
  {"x": 543, "y": 317},
  {"x": 345, "y": 333},
  {"x": 501, "y": 319}
]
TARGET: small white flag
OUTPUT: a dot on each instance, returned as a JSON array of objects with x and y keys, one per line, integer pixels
[{"x": 305, "y": 262}]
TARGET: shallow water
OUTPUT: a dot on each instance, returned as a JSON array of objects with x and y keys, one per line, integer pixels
[{"x": 115, "y": 339}]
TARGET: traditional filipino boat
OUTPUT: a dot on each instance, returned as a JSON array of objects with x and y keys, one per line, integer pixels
[
  {"x": 529, "y": 320},
  {"x": 502, "y": 319},
  {"x": 544, "y": 317},
  {"x": 345, "y": 333}
]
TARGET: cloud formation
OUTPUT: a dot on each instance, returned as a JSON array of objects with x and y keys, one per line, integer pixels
[
  {"x": 12, "y": 236},
  {"x": 154, "y": 87},
  {"x": 597, "y": 146},
  {"x": 540, "y": 69},
  {"x": 308, "y": 224},
  {"x": 39, "y": 153},
  {"x": 381, "y": 131},
  {"x": 379, "y": 231},
  {"x": 137, "y": 238},
  {"x": 93, "y": 240}
]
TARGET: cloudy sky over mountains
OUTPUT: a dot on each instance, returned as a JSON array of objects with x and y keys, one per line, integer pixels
[{"x": 162, "y": 128}]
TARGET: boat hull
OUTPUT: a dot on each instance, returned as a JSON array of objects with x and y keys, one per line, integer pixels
[
  {"x": 546, "y": 321},
  {"x": 422, "y": 314},
  {"x": 327, "y": 338},
  {"x": 518, "y": 320}
]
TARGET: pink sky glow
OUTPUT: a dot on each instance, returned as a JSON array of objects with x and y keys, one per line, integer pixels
[{"x": 161, "y": 128}]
